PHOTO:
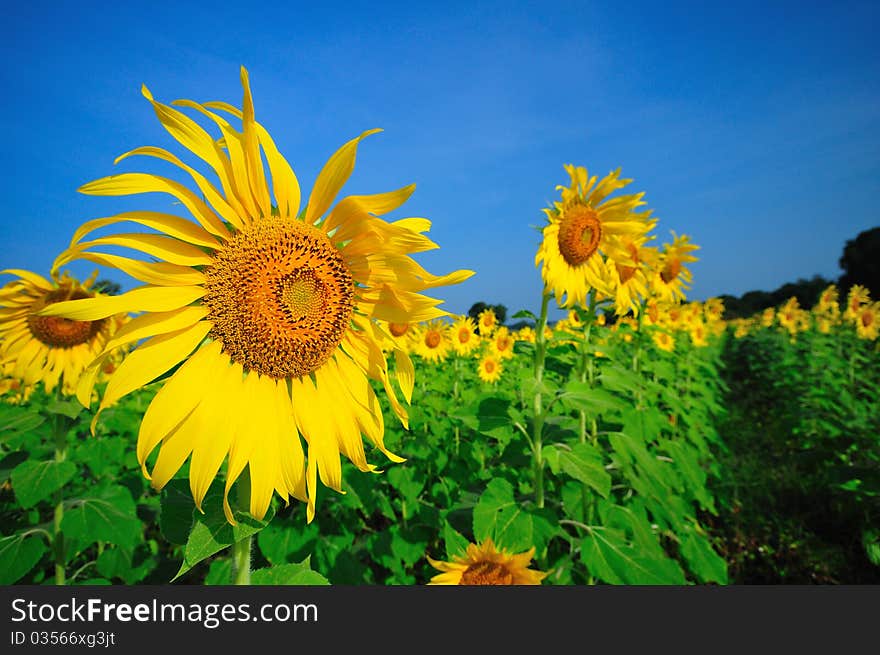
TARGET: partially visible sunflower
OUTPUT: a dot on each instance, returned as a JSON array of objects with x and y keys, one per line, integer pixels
[
  {"x": 489, "y": 368},
  {"x": 582, "y": 227},
  {"x": 664, "y": 341},
  {"x": 483, "y": 564},
  {"x": 487, "y": 321},
  {"x": 502, "y": 343},
  {"x": 268, "y": 314},
  {"x": 432, "y": 341},
  {"x": 868, "y": 321},
  {"x": 49, "y": 349},
  {"x": 671, "y": 278},
  {"x": 464, "y": 335},
  {"x": 400, "y": 336},
  {"x": 857, "y": 296},
  {"x": 632, "y": 277}
]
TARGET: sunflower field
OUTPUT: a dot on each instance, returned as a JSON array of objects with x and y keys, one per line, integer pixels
[{"x": 280, "y": 402}]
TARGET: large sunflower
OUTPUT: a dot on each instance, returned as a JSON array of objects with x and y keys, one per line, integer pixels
[
  {"x": 582, "y": 226},
  {"x": 483, "y": 564},
  {"x": 270, "y": 312},
  {"x": 49, "y": 349}
]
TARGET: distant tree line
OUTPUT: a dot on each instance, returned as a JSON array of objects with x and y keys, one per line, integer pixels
[{"x": 860, "y": 263}]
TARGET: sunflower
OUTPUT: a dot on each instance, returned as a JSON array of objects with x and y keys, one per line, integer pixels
[
  {"x": 857, "y": 296},
  {"x": 487, "y": 321},
  {"x": 583, "y": 226},
  {"x": 490, "y": 368},
  {"x": 868, "y": 321},
  {"x": 664, "y": 341},
  {"x": 398, "y": 336},
  {"x": 697, "y": 331},
  {"x": 49, "y": 349},
  {"x": 632, "y": 277},
  {"x": 433, "y": 341},
  {"x": 829, "y": 302},
  {"x": 464, "y": 335},
  {"x": 485, "y": 565},
  {"x": 269, "y": 313},
  {"x": 671, "y": 277},
  {"x": 502, "y": 343}
]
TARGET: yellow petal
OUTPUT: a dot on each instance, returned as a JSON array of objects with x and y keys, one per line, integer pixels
[
  {"x": 256, "y": 176},
  {"x": 157, "y": 245},
  {"x": 173, "y": 226},
  {"x": 217, "y": 201},
  {"x": 177, "y": 398},
  {"x": 332, "y": 177},
  {"x": 151, "y": 359},
  {"x": 285, "y": 186},
  {"x": 129, "y": 183},
  {"x": 37, "y": 280},
  {"x": 158, "y": 273},
  {"x": 141, "y": 299}
]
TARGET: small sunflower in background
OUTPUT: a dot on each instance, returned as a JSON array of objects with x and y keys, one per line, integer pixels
[
  {"x": 464, "y": 335},
  {"x": 632, "y": 276},
  {"x": 433, "y": 341},
  {"x": 502, "y": 343},
  {"x": 582, "y": 227},
  {"x": 489, "y": 368},
  {"x": 697, "y": 331},
  {"x": 487, "y": 321},
  {"x": 483, "y": 564},
  {"x": 857, "y": 296},
  {"x": 267, "y": 313},
  {"x": 49, "y": 349},
  {"x": 664, "y": 341},
  {"x": 671, "y": 277},
  {"x": 867, "y": 324}
]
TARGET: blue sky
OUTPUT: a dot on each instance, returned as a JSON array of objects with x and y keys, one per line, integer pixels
[{"x": 754, "y": 129}]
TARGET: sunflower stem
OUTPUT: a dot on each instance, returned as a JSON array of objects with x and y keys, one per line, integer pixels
[
  {"x": 241, "y": 549},
  {"x": 538, "y": 424},
  {"x": 60, "y": 437},
  {"x": 241, "y": 561}
]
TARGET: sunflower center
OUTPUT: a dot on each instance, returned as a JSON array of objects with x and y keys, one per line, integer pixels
[
  {"x": 432, "y": 338},
  {"x": 503, "y": 343},
  {"x": 489, "y": 366},
  {"x": 867, "y": 318},
  {"x": 58, "y": 332},
  {"x": 579, "y": 234},
  {"x": 398, "y": 329},
  {"x": 464, "y": 335},
  {"x": 486, "y": 573},
  {"x": 670, "y": 271},
  {"x": 280, "y": 297}
]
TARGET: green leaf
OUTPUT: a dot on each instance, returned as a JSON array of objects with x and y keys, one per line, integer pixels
[
  {"x": 583, "y": 462},
  {"x": 706, "y": 564},
  {"x": 103, "y": 455},
  {"x": 289, "y": 574},
  {"x": 176, "y": 507},
  {"x": 10, "y": 462},
  {"x": 17, "y": 419},
  {"x": 617, "y": 378},
  {"x": 34, "y": 481},
  {"x": 69, "y": 408},
  {"x": 18, "y": 555},
  {"x": 499, "y": 516},
  {"x": 219, "y": 572},
  {"x": 456, "y": 544},
  {"x": 108, "y": 515},
  {"x": 593, "y": 400},
  {"x": 280, "y": 540},
  {"x": 525, "y": 313},
  {"x": 211, "y": 533},
  {"x": 609, "y": 556}
]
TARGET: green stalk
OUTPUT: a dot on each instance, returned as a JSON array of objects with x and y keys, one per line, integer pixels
[
  {"x": 241, "y": 561},
  {"x": 241, "y": 549},
  {"x": 60, "y": 437},
  {"x": 538, "y": 407}
]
